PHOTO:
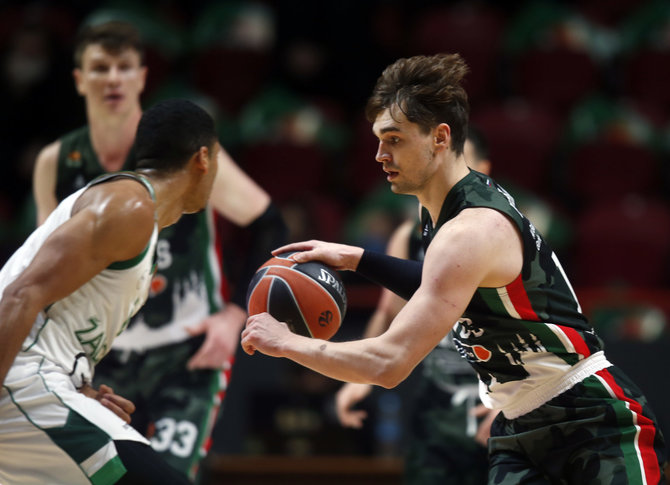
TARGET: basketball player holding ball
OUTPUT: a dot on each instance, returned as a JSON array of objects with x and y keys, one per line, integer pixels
[{"x": 567, "y": 414}]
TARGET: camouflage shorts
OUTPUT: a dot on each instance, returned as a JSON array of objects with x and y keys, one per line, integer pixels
[{"x": 599, "y": 432}]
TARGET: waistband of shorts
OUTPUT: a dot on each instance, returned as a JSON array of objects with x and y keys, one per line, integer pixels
[{"x": 553, "y": 388}]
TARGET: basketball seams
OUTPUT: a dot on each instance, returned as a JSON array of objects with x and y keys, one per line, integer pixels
[
  {"x": 311, "y": 281},
  {"x": 295, "y": 294}
]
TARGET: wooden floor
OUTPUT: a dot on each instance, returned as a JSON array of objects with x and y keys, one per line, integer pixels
[{"x": 284, "y": 470}]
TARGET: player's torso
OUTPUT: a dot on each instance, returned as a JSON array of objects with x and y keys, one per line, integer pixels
[
  {"x": 78, "y": 330},
  {"x": 530, "y": 330}
]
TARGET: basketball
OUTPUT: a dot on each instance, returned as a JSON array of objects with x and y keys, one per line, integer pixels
[{"x": 309, "y": 297}]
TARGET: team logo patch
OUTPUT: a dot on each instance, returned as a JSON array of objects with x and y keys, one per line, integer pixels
[
  {"x": 73, "y": 159},
  {"x": 158, "y": 285}
]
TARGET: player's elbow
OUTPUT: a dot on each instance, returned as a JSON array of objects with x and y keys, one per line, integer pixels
[{"x": 392, "y": 372}]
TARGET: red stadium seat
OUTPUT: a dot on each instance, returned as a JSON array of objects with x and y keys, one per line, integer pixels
[
  {"x": 473, "y": 30},
  {"x": 522, "y": 138},
  {"x": 609, "y": 169},
  {"x": 623, "y": 242},
  {"x": 556, "y": 78},
  {"x": 285, "y": 169},
  {"x": 646, "y": 77}
]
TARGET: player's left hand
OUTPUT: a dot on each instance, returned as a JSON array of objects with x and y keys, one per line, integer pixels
[
  {"x": 119, "y": 405},
  {"x": 222, "y": 331},
  {"x": 484, "y": 430}
]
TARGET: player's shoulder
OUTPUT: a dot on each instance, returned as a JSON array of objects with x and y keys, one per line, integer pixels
[
  {"x": 119, "y": 198},
  {"x": 477, "y": 225},
  {"x": 48, "y": 155}
]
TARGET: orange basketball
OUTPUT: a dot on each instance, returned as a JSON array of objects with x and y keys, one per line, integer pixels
[{"x": 309, "y": 297}]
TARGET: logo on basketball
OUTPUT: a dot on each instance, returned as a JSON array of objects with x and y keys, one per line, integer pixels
[
  {"x": 309, "y": 297},
  {"x": 325, "y": 318},
  {"x": 328, "y": 278}
]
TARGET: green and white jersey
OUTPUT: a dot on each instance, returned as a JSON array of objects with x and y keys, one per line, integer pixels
[
  {"x": 528, "y": 341},
  {"x": 77, "y": 331},
  {"x": 188, "y": 283}
]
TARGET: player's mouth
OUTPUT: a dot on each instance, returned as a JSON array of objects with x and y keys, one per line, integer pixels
[
  {"x": 391, "y": 174},
  {"x": 113, "y": 97}
]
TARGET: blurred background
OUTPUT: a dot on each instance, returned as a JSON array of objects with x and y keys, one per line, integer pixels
[{"x": 573, "y": 98}]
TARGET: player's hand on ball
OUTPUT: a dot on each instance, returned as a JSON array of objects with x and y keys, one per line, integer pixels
[
  {"x": 339, "y": 256},
  {"x": 265, "y": 334}
]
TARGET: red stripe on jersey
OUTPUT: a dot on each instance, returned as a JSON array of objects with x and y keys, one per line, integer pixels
[
  {"x": 647, "y": 430},
  {"x": 576, "y": 340},
  {"x": 519, "y": 298},
  {"x": 218, "y": 247}
]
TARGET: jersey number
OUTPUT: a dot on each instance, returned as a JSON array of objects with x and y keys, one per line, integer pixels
[
  {"x": 163, "y": 254},
  {"x": 177, "y": 437}
]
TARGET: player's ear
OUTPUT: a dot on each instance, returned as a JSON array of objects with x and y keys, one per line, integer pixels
[
  {"x": 77, "y": 75},
  {"x": 201, "y": 159},
  {"x": 143, "y": 77},
  {"x": 442, "y": 135}
]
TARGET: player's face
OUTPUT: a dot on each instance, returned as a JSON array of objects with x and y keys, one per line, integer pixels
[
  {"x": 406, "y": 153},
  {"x": 110, "y": 82}
]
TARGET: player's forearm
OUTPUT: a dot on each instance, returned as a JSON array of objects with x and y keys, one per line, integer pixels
[{"x": 362, "y": 361}]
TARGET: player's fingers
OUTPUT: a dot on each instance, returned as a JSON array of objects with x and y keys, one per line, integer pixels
[
  {"x": 353, "y": 419},
  {"x": 296, "y": 246},
  {"x": 118, "y": 410},
  {"x": 127, "y": 405},
  {"x": 105, "y": 389}
]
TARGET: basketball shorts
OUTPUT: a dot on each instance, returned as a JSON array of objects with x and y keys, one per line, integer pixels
[
  {"x": 52, "y": 434},
  {"x": 176, "y": 408},
  {"x": 441, "y": 448},
  {"x": 601, "y": 431}
]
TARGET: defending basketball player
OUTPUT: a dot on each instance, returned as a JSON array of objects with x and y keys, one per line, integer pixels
[
  {"x": 72, "y": 288},
  {"x": 568, "y": 415}
]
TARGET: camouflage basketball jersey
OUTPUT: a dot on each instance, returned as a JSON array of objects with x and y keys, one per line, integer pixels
[
  {"x": 187, "y": 285},
  {"x": 528, "y": 341}
]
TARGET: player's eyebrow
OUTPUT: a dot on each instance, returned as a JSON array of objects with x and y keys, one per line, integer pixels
[{"x": 388, "y": 129}]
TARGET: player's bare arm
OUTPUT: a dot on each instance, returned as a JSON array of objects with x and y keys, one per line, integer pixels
[
  {"x": 111, "y": 222},
  {"x": 44, "y": 181},
  {"x": 461, "y": 258}
]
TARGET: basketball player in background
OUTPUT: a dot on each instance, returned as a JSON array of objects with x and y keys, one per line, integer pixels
[
  {"x": 174, "y": 359},
  {"x": 72, "y": 288},
  {"x": 567, "y": 414},
  {"x": 446, "y": 443}
]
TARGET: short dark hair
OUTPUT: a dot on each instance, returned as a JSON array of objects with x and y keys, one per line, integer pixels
[
  {"x": 114, "y": 36},
  {"x": 170, "y": 132},
  {"x": 427, "y": 89}
]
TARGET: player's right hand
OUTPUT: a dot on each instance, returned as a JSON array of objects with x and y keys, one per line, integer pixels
[{"x": 346, "y": 398}]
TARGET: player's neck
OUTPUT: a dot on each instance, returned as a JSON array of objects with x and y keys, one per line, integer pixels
[
  {"x": 435, "y": 192},
  {"x": 169, "y": 191},
  {"x": 112, "y": 138}
]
